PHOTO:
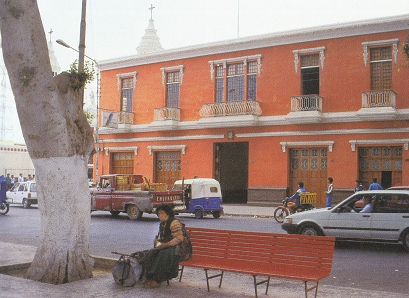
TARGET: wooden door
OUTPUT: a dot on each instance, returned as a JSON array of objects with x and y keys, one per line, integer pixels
[
  {"x": 122, "y": 163},
  {"x": 167, "y": 167},
  {"x": 309, "y": 165},
  {"x": 380, "y": 162}
]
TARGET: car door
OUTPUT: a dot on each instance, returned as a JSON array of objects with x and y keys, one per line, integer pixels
[
  {"x": 344, "y": 224},
  {"x": 19, "y": 195},
  {"x": 390, "y": 216},
  {"x": 12, "y": 193}
]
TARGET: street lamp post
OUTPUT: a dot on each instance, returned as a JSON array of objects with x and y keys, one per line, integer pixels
[{"x": 81, "y": 46}]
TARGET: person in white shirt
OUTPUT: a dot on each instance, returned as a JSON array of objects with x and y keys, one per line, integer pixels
[{"x": 21, "y": 178}]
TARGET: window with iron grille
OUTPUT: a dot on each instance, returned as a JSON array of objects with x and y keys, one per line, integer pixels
[
  {"x": 235, "y": 78},
  {"x": 219, "y": 83},
  {"x": 172, "y": 89},
  {"x": 381, "y": 68},
  {"x": 310, "y": 74},
  {"x": 127, "y": 94},
  {"x": 251, "y": 81},
  {"x": 235, "y": 82}
]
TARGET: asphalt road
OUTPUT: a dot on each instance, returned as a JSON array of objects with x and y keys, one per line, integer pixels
[{"x": 383, "y": 267}]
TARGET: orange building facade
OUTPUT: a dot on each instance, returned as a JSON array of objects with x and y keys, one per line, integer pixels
[{"x": 262, "y": 113}]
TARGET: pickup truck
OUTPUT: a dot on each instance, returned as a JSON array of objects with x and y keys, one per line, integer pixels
[{"x": 133, "y": 194}]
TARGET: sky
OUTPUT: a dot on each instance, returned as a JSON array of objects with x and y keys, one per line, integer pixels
[{"x": 114, "y": 28}]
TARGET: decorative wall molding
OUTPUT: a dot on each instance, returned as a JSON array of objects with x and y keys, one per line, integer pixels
[
  {"x": 172, "y": 69},
  {"x": 404, "y": 142},
  {"x": 297, "y": 54},
  {"x": 244, "y": 60},
  {"x": 378, "y": 43},
  {"x": 118, "y": 149},
  {"x": 167, "y": 148},
  {"x": 330, "y": 144},
  {"x": 126, "y": 75}
]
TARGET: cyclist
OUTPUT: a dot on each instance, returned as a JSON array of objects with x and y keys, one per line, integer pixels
[{"x": 296, "y": 197}]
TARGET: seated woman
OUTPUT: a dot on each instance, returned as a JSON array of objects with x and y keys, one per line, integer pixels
[{"x": 163, "y": 263}]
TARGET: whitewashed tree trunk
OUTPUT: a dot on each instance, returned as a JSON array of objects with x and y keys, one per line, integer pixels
[{"x": 59, "y": 140}]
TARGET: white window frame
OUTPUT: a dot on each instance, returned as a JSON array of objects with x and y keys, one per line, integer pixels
[
  {"x": 298, "y": 53},
  {"x": 178, "y": 68},
  {"x": 125, "y": 76},
  {"x": 380, "y": 43}
]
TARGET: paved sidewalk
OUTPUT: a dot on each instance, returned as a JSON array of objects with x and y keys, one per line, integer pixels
[
  {"x": 193, "y": 284},
  {"x": 244, "y": 210}
]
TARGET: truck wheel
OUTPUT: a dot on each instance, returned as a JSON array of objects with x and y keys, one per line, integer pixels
[
  {"x": 198, "y": 214},
  {"x": 216, "y": 214},
  {"x": 115, "y": 213},
  {"x": 134, "y": 212},
  {"x": 26, "y": 204}
]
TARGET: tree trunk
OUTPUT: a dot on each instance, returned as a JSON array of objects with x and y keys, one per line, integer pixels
[{"x": 59, "y": 141}]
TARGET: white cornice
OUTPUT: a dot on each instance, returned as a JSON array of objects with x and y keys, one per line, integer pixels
[
  {"x": 295, "y": 133},
  {"x": 322, "y": 132},
  {"x": 267, "y": 40},
  {"x": 151, "y": 139},
  {"x": 251, "y": 121},
  {"x": 284, "y": 145},
  {"x": 167, "y": 148},
  {"x": 404, "y": 142}
]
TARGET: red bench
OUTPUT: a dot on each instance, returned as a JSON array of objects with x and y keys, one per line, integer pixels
[{"x": 301, "y": 257}]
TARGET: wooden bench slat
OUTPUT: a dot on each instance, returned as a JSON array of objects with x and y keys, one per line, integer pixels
[{"x": 301, "y": 257}]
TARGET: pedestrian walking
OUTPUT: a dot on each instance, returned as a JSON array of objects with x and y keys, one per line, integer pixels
[
  {"x": 8, "y": 179},
  {"x": 358, "y": 186},
  {"x": 375, "y": 185},
  {"x": 329, "y": 192},
  {"x": 21, "y": 178}
]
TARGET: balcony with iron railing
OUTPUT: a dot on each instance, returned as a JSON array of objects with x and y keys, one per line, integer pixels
[
  {"x": 378, "y": 104},
  {"x": 381, "y": 98},
  {"x": 113, "y": 119},
  {"x": 301, "y": 103},
  {"x": 231, "y": 108},
  {"x": 305, "y": 109},
  {"x": 163, "y": 114}
]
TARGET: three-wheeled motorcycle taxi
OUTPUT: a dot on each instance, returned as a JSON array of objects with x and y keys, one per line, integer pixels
[{"x": 202, "y": 196}]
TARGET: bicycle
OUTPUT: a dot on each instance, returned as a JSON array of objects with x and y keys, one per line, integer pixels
[{"x": 284, "y": 210}]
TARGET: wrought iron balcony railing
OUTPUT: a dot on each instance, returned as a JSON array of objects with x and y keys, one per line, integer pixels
[
  {"x": 381, "y": 98},
  {"x": 161, "y": 114},
  {"x": 311, "y": 102},
  {"x": 112, "y": 119},
  {"x": 231, "y": 108}
]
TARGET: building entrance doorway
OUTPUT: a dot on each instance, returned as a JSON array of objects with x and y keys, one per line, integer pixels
[
  {"x": 309, "y": 165},
  {"x": 383, "y": 163},
  {"x": 167, "y": 167},
  {"x": 231, "y": 170}
]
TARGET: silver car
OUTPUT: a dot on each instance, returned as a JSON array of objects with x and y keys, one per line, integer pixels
[{"x": 387, "y": 219}]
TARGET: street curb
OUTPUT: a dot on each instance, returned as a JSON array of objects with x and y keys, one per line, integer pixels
[{"x": 249, "y": 215}]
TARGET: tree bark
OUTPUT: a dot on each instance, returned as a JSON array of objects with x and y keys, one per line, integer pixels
[{"x": 59, "y": 141}]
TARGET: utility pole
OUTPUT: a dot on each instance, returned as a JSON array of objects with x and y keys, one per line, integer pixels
[{"x": 81, "y": 47}]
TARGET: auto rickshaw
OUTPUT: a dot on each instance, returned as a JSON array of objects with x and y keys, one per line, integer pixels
[{"x": 202, "y": 196}]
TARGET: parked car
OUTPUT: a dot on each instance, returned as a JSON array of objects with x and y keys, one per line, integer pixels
[
  {"x": 388, "y": 221},
  {"x": 23, "y": 193}
]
